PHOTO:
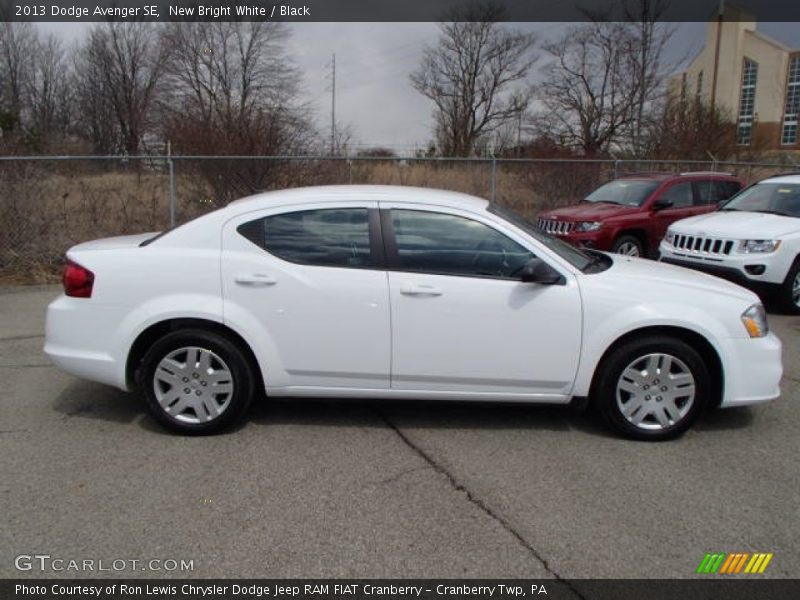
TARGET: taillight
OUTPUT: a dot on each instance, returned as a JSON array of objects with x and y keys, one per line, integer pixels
[{"x": 78, "y": 280}]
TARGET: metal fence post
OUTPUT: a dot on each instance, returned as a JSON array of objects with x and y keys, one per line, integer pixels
[
  {"x": 171, "y": 186},
  {"x": 494, "y": 178}
]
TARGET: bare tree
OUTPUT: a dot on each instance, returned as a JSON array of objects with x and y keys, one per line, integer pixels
[
  {"x": 17, "y": 48},
  {"x": 589, "y": 95},
  {"x": 649, "y": 69},
  {"x": 607, "y": 80},
  {"x": 49, "y": 94},
  {"x": 692, "y": 129},
  {"x": 121, "y": 66},
  {"x": 229, "y": 70},
  {"x": 233, "y": 90},
  {"x": 474, "y": 77}
]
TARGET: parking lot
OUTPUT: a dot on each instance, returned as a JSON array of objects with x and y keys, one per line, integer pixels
[{"x": 374, "y": 490}]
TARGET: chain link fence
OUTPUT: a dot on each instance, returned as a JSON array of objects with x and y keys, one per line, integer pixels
[{"x": 49, "y": 203}]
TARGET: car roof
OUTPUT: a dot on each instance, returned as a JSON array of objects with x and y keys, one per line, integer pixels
[
  {"x": 661, "y": 176},
  {"x": 338, "y": 193},
  {"x": 785, "y": 178}
]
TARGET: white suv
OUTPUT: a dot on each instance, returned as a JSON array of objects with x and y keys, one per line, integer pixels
[{"x": 754, "y": 240}]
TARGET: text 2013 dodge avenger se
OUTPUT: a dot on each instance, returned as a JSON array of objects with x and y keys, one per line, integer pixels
[{"x": 406, "y": 293}]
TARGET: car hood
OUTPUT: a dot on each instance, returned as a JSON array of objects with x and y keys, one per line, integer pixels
[
  {"x": 738, "y": 225},
  {"x": 640, "y": 272},
  {"x": 589, "y": 211}
]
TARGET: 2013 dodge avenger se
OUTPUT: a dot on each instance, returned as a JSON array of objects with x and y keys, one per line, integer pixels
[{"x": 399, "y": 292}]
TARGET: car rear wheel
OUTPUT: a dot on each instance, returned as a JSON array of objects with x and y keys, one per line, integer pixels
[
  {"x": 653, "y": 388},
  {"x": 790, "y": 290},
  {"x": 196, "y": 382},
  {"x": 628, "y": 245}
]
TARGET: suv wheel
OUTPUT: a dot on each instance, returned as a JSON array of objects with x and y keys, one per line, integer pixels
[
  {"x": 628, "y": 245},
  {"x": 790, "y": 290},
  {"x": 196, "y": 382},
  {"x": 652, "y": 388}
]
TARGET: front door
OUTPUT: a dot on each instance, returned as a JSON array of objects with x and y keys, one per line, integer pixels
[{"x": 463, "y": 321}]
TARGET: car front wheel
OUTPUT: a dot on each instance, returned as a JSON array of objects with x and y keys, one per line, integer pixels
[
  {"x": 196, "y": 382},
  {"x": 628, "y": 245},
  {"x": 652, "y": 388},
  {"x": 790, "y": 290}
]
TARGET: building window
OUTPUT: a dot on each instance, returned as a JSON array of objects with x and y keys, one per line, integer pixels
[
  {"x": 699, "y": 84},
  {"x": 747, "y": 101},
  {"x": 789, "y": 134}
]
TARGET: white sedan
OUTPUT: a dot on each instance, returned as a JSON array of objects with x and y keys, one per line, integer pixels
[{"x": 402, "y": 293}]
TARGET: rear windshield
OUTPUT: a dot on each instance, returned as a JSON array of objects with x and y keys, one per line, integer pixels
[
  {"x": 774, "y": 198},
  {"x": 629, "y": 192}
]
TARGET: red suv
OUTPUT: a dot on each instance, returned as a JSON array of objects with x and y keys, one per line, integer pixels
[{"x": 631, "y": 214}]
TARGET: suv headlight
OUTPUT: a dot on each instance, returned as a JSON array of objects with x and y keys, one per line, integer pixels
[
  {"x": 755, "y": 321},
  {"x": 588, "y": 225},
  {"x": 759, "y": 246},
  {"x": 670, "y": 236}
]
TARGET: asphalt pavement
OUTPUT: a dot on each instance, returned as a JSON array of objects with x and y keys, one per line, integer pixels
[{"x": 380, "y": 490}]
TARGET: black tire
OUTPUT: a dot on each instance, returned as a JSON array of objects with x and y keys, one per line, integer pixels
[
  {"x": 235, "y": 403},
  {"x": 785, "y": 294},
  {"x": 627, "y": 241},
  {"x": 604, "y": 392}
]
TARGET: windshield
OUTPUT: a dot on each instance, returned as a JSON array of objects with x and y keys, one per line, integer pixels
[
  {"x": 629, "y": 192},
  {"x": 573, "y": 255},
  {"x": 776, "y": 198}
]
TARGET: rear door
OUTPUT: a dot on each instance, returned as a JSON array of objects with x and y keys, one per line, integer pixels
[{"x": 308, "y": 286}]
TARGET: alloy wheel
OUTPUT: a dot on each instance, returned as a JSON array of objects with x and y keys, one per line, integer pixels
[
  {"x": 796, "y": 290},
  {"x": 655, "y": 391},
  {"x": 628, "y": 249},
  {"x": 193, "y": 385}
]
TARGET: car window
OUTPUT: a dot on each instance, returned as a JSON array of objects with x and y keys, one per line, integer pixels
[
  {"x": 630, "y": 192},
  {"x": 778, "y": 198},
  {"x": 679, "y": 194},
  {"x": 726, "y": 189},
  {"x": 707, "y": 192},
  {"x": 429, "y": 242},
  {"x": 335, "y": 237}
]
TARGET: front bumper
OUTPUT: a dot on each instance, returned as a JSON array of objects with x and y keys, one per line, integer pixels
[
  {"x": 731, "y": 268},
  {"x": 596, "y": 240},
  {"x": 753, "y": 370}
]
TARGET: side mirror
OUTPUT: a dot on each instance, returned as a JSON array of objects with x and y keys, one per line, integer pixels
[
  {"x": 538, "y": 271},
  {"x": 661, "y": 204}
]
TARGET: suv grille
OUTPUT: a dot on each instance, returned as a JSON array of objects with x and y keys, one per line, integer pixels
[
  {"x": 555, "y": 227},
  {"x": 702, "y": 245}
]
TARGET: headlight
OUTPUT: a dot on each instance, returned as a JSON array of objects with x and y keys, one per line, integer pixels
[
  {"x": 755, "y": 321},
  {"x": 759, "y": 246},
  {"x": 670, "y": 236},
  {"x": 588, "y": 226}
]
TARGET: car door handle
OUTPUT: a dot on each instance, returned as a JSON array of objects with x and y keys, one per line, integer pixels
[
  {"x": 420, "y": 289},
  {"x": 255, "y": 279}
]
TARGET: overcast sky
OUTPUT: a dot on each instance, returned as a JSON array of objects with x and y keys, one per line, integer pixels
[{"x": 373, "y": 62}]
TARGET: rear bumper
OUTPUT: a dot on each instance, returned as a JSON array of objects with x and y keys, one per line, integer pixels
[
  {"x": 753, "y": 370},
  {"x": 77, "y": 340}
]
